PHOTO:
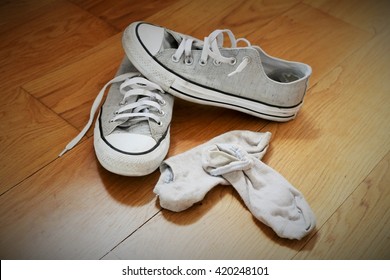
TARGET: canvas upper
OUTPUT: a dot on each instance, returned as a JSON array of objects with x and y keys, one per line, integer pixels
[
  {"x": 131, "y": 135},
  {"x": 244, "y": 78}
]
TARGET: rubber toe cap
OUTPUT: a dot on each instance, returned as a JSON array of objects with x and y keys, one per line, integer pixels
[
  {"x": 151, "y": 37},
  {"x": 131, "y": 143}
]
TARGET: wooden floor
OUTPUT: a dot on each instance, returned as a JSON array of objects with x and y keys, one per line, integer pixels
[{"x": 56, "y": 55}]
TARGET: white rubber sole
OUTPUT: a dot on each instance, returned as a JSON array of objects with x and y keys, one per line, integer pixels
[
  {"x": 129, "y": 164},
  {"x": 192, "y": 92}
]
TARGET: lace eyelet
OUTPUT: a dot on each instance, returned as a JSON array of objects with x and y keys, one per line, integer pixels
[
  {"x": 188, "y": 60},
  {"x": 122, "y": 103},
  {"x": 217, "y": 63},
  {"x": 160, "y": 123},
  {"x": 233, "y": 61},
  {"x": 116, "y": 113},
  {"x": 111, "y": 121},
  {"x": 161, "y": 113},
  {"x": 202, "y": 62},
  {"x": 162, "y": 102},
  {"x": 175, "y": 59}
]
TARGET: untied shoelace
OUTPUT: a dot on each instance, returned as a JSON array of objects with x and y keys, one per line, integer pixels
[{"x": 132, "y": 85}]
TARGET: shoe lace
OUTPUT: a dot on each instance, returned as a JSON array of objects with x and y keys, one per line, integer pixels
[
  {"x": 147, "y": 105},
  {"x": 211, "y": 48}
]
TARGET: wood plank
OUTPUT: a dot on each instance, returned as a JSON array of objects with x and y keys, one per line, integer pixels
[
  {"x": 218, "y": 228},
  {"x": 43, "y": 42},
  {"x": 120, "y": 13},
  {"x": 241, "y": 16},
  {"x": 48, "y": 41},
  {"x": 323, "y": 153},
  {"x": 342, "y": 132},
  {"x": 73, "y": 209},
  {"x": 30, "y": 137},
  {"x": 360, "y": 228},
  {"x": 14, "y": 13},
  {"x": 372, "y": 16},
  {"x": 69, "y": 91},
  {"x": 307, "y": 35}
]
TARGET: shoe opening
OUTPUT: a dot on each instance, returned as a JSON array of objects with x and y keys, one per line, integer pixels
[
  {"x": 169, "y": 42},
  {"x": 283, "y": 71},
  {"x": 285, "y": 75}
]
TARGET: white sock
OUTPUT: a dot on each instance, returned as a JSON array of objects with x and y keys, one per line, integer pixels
[
  {"x": 184, "y": 182},
  {"x": 266, "y": 193}
]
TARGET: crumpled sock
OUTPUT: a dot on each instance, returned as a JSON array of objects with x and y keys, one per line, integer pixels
[
  {"x": 184, "y": 182},
  {"x": 266, "y": 193}
]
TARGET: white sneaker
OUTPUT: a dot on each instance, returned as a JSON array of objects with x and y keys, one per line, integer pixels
[
  {"x": 240, "y": 78},
  {"x": 131, "y": 135}
]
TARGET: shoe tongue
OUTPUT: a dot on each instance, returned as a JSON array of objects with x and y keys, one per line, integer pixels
[
  {"x": 169, "y": 41},
  {"x": 172, "y": 40},
  {"x": 140, "y": 127},
  {"x": 134, "y": 126}
]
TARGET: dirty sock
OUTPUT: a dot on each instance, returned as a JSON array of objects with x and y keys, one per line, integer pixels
[
  {"x": 183, "y": 180},
  {"x": 266, "y": 193}
]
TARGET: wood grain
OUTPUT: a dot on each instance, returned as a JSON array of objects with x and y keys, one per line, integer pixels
[
  {"x": 31, "y": 133},
  {"x": 218, "y": 228},
  {"x": 17, "y": 12},
  {"x": 240, "y": 16},
  {"x": 308, "y": 35},
  {"x": 69, "y": 91},
  {"x": 57, "y": 54},
  {"x": 360, "y": 228},
  {"x": 120, "y": 13},
  {"x": 372, "y": 16},
  {"x": 48, "y": 41},
  {"x": 30, "y": 137},
  {"x": 73, "y": 209}
]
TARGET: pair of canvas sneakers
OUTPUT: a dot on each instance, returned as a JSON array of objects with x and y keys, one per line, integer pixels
[{"x": 132, "y": 131}]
